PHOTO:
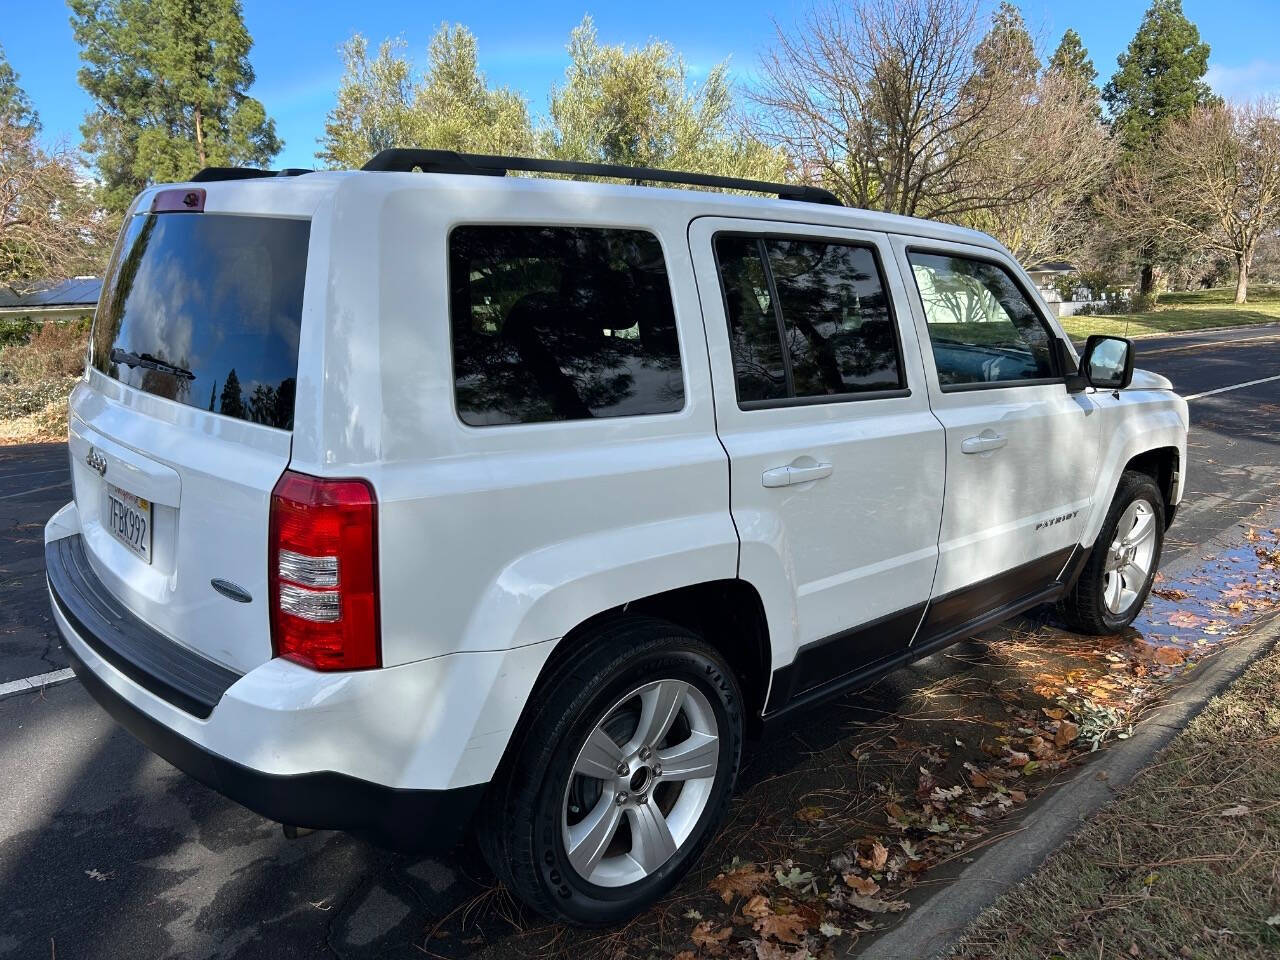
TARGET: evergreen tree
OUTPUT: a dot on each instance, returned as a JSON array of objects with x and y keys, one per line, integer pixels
[
  {"x": 169, "y": 80},
  {"x": 1160, "y": 76},
  {"x": 15, "y": 106},
  {"x": 1007, "y": 50},
  {"x": 1072, "y": 62},
  {"x": 232, "y": 402}
]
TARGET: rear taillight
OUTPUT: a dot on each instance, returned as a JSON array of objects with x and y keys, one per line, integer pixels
[{"x": 324, "y": 581}]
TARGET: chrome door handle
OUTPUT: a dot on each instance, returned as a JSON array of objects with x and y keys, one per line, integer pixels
[
  {"x": 984, "y": 442},
  {"x": 788, "y": 475}
]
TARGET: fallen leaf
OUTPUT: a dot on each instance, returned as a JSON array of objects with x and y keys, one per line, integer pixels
[
  {"x": 1274, "y": 919},
  {"x": 1054, "y": 713},
  {"x": 704, "y": 936},
  {"x": 787, "y": 927},
  {"x": 877, "y": 906},
  {"x": 1067, "y": 733},
  {"x": 1237, "y": 811},
  {"x": 807, "y": 814},
  {"x": 1183, "y": 618},
  {"x": 942, "y": 795},
  {"x": 863, "y": 885},
  {"x": 793, "y": 879},
  {"x": 772, "y": 951},
  {"x": 742, "y": 881},
  {"x": 693, "y": 915},
  {"x": 1170, "y": 656},
  {"x": 756, "y": 907},
  {"x": 831, "y": 930},
  {"x": 1039, "y": 747},
  {"x": 1170, "y": 593},
  {"x": 878, "y": 858}
]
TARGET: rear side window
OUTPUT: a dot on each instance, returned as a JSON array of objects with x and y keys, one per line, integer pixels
[
  {"x": 982, "y": 328},
  {"x": 205, "y": 309},
  {"x": 807, "y": 319},
  {"x": 561, "y": 323}
]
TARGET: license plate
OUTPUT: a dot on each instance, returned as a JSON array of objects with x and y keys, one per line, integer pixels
[{"x": 129, "y": 519}]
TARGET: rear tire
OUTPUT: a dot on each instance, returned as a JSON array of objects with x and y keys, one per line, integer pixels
[
  {"x": 619, "y": 777},
  {"x": 1122, "y": 564}
]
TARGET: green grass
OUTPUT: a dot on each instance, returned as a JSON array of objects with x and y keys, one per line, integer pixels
[
  {"x": 1200, "y": 310},
  {"x": 1184, "y": 863}
]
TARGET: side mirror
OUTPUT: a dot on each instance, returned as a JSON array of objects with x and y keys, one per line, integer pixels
[{"x": 1108, "y": 362}]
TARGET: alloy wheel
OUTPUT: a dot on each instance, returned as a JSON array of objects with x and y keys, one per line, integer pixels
[
  {"x": 641, "y": 783},
  {"x": 1130, "y": 556}
]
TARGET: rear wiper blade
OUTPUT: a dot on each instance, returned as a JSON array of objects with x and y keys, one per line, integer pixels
[{"x": 150, "y": 362}]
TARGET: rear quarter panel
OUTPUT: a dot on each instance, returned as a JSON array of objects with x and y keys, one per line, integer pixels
[{"x": 500, "y": 536}]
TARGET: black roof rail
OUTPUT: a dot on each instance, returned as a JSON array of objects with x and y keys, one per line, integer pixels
[
  {"x": 404, "y": 160},
  {"x": 244, "y": 173}
]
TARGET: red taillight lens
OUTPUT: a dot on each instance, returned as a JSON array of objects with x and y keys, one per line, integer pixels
[{"x": 324, "y": 580}]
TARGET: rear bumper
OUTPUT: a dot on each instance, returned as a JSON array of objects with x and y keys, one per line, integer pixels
[
  {"x": 401, "y": 755},
  {"x": 403, "y": 819}
]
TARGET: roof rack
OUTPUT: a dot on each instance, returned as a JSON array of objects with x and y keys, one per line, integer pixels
[
  {"x": 404, "y": 160},
  {"x": 244, "y": 173}
]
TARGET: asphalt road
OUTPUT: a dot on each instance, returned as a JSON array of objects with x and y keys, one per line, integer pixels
[{"x": 106, "y": 851}]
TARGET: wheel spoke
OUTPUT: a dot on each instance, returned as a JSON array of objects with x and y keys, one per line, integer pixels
[
  {"x": 600, "y": 757},
  {"x": 1134, "y": 576},
  {"x": 693, "y": 759},
  {"x": 660, "y": 704},
  {"x": 1115, "y": 583},
  {"x": 1144, "y": 528},
  {"x": 651, "y": 842},
  {"x": 589, "y": 838}
]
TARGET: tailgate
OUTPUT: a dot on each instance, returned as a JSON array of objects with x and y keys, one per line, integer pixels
[{"x": 183, "y": 424}]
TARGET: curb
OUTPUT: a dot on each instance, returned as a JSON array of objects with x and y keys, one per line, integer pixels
[
  {"x": 27, "y": 684},
  {"x": 934, "y": 926}
]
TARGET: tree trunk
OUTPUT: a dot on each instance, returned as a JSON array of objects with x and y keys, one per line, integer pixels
[
  {"x": 1242, "y": 280},
  {"x": 1147, "y": 284},
  {"x": 200, "y": 137}
]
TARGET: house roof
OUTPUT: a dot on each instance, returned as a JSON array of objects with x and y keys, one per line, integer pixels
[
  {"x": 1053, "y": 266},
  {"x": 77, "y": 291}
]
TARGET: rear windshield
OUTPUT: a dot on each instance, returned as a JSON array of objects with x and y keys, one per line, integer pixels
[{"x": 205, "y": 309}]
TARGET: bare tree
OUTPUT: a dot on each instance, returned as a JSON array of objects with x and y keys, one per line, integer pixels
[
  {"x": 904, "y": 106},
  {"x": 49, "y": 225},
  {"x": 1219, "y": 174}
]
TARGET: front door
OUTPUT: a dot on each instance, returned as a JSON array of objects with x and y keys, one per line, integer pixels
[
  {"x": 1021, "y": 451},
  {"x": 836, "y": 462}
]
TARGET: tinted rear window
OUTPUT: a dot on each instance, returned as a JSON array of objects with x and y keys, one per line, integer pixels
[
  {"x": 561, "y": 323},
  {"x": 205, "y": 309}
]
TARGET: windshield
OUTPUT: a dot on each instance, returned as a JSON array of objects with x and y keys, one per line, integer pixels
[{"x": 205, "y": 309}]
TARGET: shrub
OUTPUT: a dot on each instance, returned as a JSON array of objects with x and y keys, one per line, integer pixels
[{"x": 37, "y": 373}]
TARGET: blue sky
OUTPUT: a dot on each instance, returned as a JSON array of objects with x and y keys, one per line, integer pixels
[{"x": 522, "y": 45}]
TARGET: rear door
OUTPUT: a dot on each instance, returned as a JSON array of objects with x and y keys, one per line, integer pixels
[
  {"x": 836, "y": 462},
  {"x": 1021, "y": 451},
  {"x": 182, "y": 424}
]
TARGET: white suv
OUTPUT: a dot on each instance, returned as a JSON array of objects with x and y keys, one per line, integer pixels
[{"x": 419, "y": 498}]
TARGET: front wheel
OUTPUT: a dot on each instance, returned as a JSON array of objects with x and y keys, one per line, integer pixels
[
  {"x": 619, "y": 778},
  {"x": 1122, "y": 565}
]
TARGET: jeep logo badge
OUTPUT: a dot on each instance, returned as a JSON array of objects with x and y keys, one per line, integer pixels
[{"x": 96, "y": 461}]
